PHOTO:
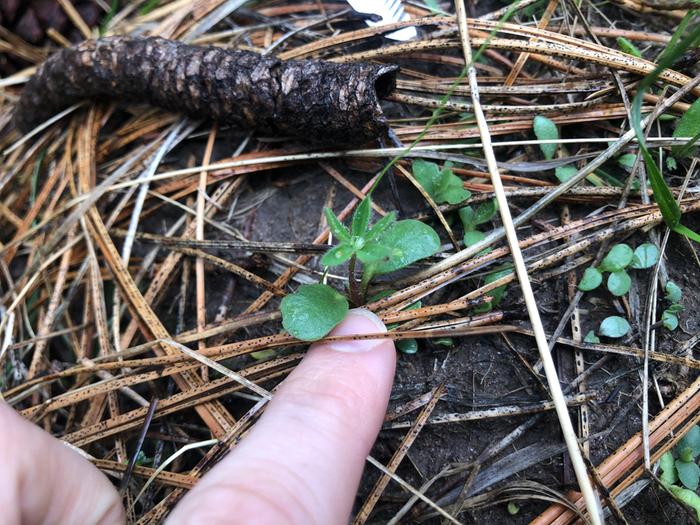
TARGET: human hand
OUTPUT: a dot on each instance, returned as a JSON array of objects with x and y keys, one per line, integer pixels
[{"x": 300, "y": 464}]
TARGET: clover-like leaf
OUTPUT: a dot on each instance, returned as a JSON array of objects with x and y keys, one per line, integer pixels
[
  {"x": 360, "y": 219},
  {"x": 614, "y": 327},
  {"x": 313, "y": 311},
  {"x": 619, "y": 283},
  {"x": 669, "y": 320},
  {"x": 337, "y": 255},
  {"x": 688, "y": 473},
  {"x": 591, "y": 280},
  {"x": 545, "y": 129},
  {"x": 673, "y": 292},
  {"x": 591, "y": 338},
  {"x": 336, "y": 227},
  {"x": 409, "y": 241},
  {"x": 668, "y": 469},
  {"x": 618, "y": 258},
  {"x": 645, "y": 256},
  {"x": 691, "y": 440}
]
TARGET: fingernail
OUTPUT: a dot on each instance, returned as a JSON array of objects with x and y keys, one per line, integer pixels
[{"x": 359, "y": 321}]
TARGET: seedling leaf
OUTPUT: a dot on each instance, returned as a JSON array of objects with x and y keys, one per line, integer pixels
[
  {"x": 360, "y": 219},
  {"x": 409, "y": 241},
  {"x": 497, "y": 293},
  {"x": 673, "y": 292},
  {"x": 668, "y": 469},
  {"x": 312, "y": 311},
  {"x": 669, "y": 320},
  {"x": 688, "y": 497},
  {"x": 688, "y": 474},
  {"x": 336, "y": 227},
  {"x": 645, "y": 256},
  {"x": 442, "y": 185},
  {"x": 614, "y": 327},
  {"x": 591, "y": 338},
  {"x": 545, "y": 129},
  {"x": 688, "y": 125},
  {"x": 627, "y": 160},
  {"x": 373, "y": 252},
  {"x": 591, "y": 280},
  {"x": 379, "y": 226},
  {"x": 691, "y": 440},
  {"x": 468, "y": 217},
  {"x": 618, "y": 258},
  {"x": 628, "y": 47},
  {"x": 337, "y": 255},
  {"x": 486, "y": 211},
  {"x": 564, "y": 173},
  {"x": 407, "y": 346},
  {"x": 619, "y": 283}
]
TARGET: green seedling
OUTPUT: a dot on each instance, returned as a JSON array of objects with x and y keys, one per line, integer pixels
[
  {"x": 679, "y": 472},
  {"x": 619, "y": 259},
  {"x": 314, "y": 310},
  {"x": 472, "y": 218},
  {"x": 441, "y": 184}
]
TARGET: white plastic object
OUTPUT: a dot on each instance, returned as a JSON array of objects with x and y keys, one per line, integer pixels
[{"x": 390, "y": 11}]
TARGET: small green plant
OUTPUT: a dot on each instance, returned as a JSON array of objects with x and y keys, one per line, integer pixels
[
  {"x": 614, "y": 327},
  {"x": 315, "y": 309},
  {"x": 669, "y": 317},
  {"x": 472, "y": 218},
  {"x": 620, "y": 258},
  {"x": 680, "y": 473},
  {"x": 441, "y": 184}
]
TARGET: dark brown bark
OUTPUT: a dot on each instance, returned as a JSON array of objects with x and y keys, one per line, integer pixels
[{"x": 315, "y": 100}]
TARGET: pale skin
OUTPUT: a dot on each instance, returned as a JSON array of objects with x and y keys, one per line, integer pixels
[{"x": 300, "y": 464}]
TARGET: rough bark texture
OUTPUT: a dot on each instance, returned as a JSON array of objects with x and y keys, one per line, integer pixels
[{"x": 315, "y": 100}]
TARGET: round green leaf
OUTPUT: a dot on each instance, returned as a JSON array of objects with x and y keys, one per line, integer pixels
[
  {"x": 614, "y": 326},
  {"x": 691, "y": 440},
  {"x": 619, "y": 283},
  {"x": 545, "y": 129},
  {"x": 373, "y": 252},
  {"x": 591, "y": 280},
  {"x": 409, "y": 241},
  {"x": 618, "y": 258},
  {"x": 513, "y": 508},
  {"x": 337, "y": 255},
  {"x": 486, "y": 211},
  {"x": 669, "y": 320},
  {"x": 312, "y": 311},
  {"x": 688, "y": 473},
  {"x": 645, "y": 256},
  {"x": 673, "y": 292}
]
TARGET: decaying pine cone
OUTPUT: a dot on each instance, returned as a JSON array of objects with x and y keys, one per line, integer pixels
[{"x": 315, "y": 100}]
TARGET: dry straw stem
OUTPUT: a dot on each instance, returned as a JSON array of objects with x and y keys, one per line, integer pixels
[{"x": 570, "y": 437}]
